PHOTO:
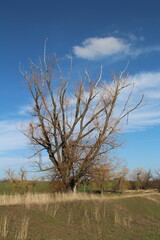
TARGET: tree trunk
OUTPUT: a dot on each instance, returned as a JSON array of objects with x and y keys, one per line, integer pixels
[
  {"x": 75, "y": 189},
  {"x": 71, "y": 186}
]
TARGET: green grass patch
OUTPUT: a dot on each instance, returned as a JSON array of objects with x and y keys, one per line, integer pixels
[{"x": 23, "y": 187}]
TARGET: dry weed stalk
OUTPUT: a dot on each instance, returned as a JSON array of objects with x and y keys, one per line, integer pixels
[
  {"x": 22, "y": 234},
  {"x": 104, "y": 211},
  {"x": 86, "y": 218},
  {"x": 99, "y": 232},
  {"x": 117, "y": 218},
  {"x": 4, "y": 227},
  {"x": 121, "y": 217},
  {"x": 56, "y": 207},
  {"x": 97, "y": 214},
  {"x": 86, "y": 223},
  {"x": 70, "y": 217}
]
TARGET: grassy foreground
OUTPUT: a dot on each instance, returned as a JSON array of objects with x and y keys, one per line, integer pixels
[{"x": 80, "y": 217}]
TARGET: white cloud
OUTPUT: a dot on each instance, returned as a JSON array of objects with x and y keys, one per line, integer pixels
[{"x": 96, "y": 48}]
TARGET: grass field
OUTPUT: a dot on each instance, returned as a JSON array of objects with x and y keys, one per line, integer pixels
[
  {"x": 81, "y": 217},
  {"x": 9, "y": 188},
  {"x": 40, "y": 187}
]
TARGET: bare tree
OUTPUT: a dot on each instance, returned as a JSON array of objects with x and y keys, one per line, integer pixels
[
  {"x": 156, "y": 180},
  {"x": 147, "y": 179},
  {"x": 122, "y": 179},
  {"x": 100, "y": 175},
  {"x": 10, "y": 175},
  {"x": 19, "y": 180},
  {"x": 137, "y": 177},
  {"x": 141, "y": 178},
  {"x": 22, "y": 174},
  {"x": 112, "y": 169},
  {"x": 77, "y": 127}
]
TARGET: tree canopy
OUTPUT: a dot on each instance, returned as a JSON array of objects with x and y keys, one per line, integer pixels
[{"x": 76, "y": 126}]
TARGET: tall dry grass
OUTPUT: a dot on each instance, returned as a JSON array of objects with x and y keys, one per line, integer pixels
[
  {"x": 122, "y": 217},
  {"x": 29, "y": 198},
  {"x": 22, "y": 234},
  {"x": 3, "y": 227}
]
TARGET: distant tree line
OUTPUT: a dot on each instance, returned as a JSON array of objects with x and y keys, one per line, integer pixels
[{"x": 103, "y": 179}]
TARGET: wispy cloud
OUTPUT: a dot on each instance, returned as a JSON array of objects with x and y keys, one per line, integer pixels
[
  {"x": 147, "y": 83},
  {"x": 136, "y": 51},
  {"x": 25, "y": 110},
  {"x": 12, "y": 161},
  {"x": 10, "y": 137},
  {"x": 147, "y": 80}
]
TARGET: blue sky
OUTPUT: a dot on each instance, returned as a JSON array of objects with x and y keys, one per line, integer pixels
[{"x": 95, "y": 33}]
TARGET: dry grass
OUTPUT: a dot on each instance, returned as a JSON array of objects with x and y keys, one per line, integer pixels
[
  {"x": 51, "y": 204},
  {"x": 122, "y": 218},
  {"x": 3, "y": 227},
  {"x": 29, "y": 199},
  {"x": 153, "y": 197},
  {"x": 93, "y": 218},
  {"x": 22, "y": 234}
]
